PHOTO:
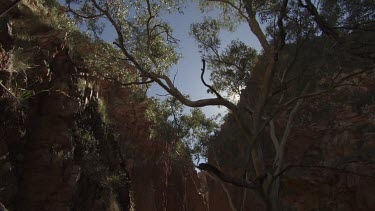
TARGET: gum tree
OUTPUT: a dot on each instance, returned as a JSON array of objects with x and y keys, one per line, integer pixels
[{"x": 278, "y": 79}]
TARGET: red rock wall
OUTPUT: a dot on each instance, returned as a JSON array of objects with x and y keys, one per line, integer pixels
[
  {"x": 159, "y": 182},
  {"x": 332, "y": 142},
  {"x": 44, "y": 163},
  {"x": 41, "y": 150}
]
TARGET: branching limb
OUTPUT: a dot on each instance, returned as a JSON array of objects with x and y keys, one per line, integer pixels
[
  {"x": 255, "y": 27},
  {"x": 274, "y": 138},
  {"x": 226, "y": 178},
  {"x": 149, "y": 19},
  {"x": 227, "y": 193},
  {"x": 279, "y": 157},
  {"x": 14, "y": 4},
  {"x": 223, "y": 185},
  {"x": 128, "y": 83},
  {"x": 160, "y": 79},
  {"x": 271, "y": 66},
  {"x": 271, "y": 52},
  {"x": 81, "y": 15},
  {"x": 208, "y": 86},
  {"x": 323, "y": 24},
  {"x": 334, "y": 85},
  {"x": 237, "y": 8},
  {"x": 280, "y": 24},
  {"x": 356, "y": 26},
  {"x": 10, "y": 93},
  {"x": 165, "y": 31},
  {"x": 321, "y": 167},
  {"x": 137, "y": 83}
]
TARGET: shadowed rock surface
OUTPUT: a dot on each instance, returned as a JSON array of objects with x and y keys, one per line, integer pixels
[{"x": 65, "y": 146}]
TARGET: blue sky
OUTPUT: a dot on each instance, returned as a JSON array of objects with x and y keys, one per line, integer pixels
[{"x": 189, "y": 66}]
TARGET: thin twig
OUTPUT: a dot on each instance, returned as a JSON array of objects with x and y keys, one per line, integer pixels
[
  {"x": 10, "y": 8},
  {"x": 226, "y": 178},
  {"x": 83, "y": 16},
  {"x": 237, "y": 8},
  {"x": 202, "y": 78},
  {"x": 11, "y": 94},
  {"x": 328, "y": 168},
  {"x": 160, "y": 79}
]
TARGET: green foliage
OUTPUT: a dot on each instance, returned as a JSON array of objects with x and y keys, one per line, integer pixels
[
  {"x": 102, "y": 109},
  {"x": 228, "y": 18},
  {"x": 199, "y": 130},
  {"x": 96, "y": 148},
  {"x": 94, "y": 162},
  {"x": 233, "y": 70},
  {"x": 148, "y": 39},
  {"x": 159, "y": 113},
  {"x": 191, "y": 130},
  {"x": 22, "y": 59},
  {"x": 50, "y": 3},
  {"x": 347, "y": 12},
  {"x": 207, "y": 35},
  {"x": 230, "y": 68},
  {"x": 108, "y": 62}
]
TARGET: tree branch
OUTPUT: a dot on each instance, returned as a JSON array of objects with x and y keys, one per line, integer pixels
[
  {"x": 167, "y": 32},
  {"x": 238, "y": 9},
  {"x": 327, "y": 168},
  {"x": 14, "y": 4},
  {"x": 149, "y": 19},
  {"x": 83, "y": 16},
  {"x": 228, "y": 179},
  {"x": 274, "y": 138},
  {"x": 9, "y": 92},
  {"x": 280, "y": 24},
  {"x": 255, "y": 28},
  {"x": 279, "y": 157},
  {"x": 323, "y": 24},
  {"x": 202, "y": 79},
  {"x": 128, "y": 83},
  {"x": 158, "y": 78}
]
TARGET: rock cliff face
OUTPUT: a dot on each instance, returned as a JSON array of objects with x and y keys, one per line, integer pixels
[
  {"x": 331, "y": 150},
  {"x": 68, "y": 146},
  {"x": 70, "y": 141},
  {"x": 159, "y": 181},
  {"x": 343, "y": 139}
]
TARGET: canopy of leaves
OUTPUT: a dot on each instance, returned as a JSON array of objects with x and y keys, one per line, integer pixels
[
  {"x": 139, "y": 24},
  {"x": 145, "y": 40},
  {"x": 174, "y": 124},
  {"x": 231, "y": 71},
  {"x": 231, "y": 67},
  {"x": 347, "y": 12}
]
